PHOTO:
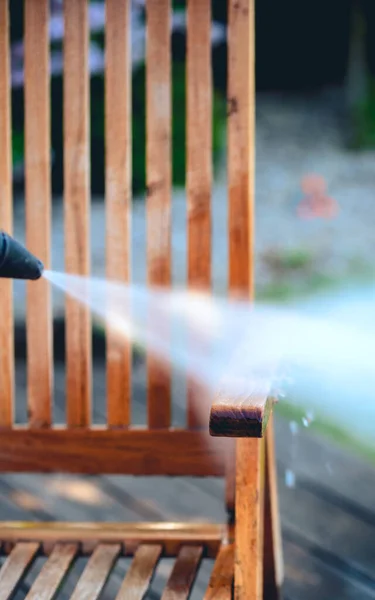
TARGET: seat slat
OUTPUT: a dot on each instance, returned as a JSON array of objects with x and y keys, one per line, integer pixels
[
  {"x": 221, "y": 580},
  {"x": 139, "y": 576},
  {"x": 96, "y": 573},
  {"x": 118, "y": 196},
  {"x": 38, "y": 210},
  {"x": 77, "y": 207},
  {"x": 199, "y": 164},
  {"x": 15, "y": 567},
  {"x": 6, "y": 221},
  {"x": 183, "y": 574},
  {"x": 158, "y": 203},
  {"x": 53, "y": 572}
]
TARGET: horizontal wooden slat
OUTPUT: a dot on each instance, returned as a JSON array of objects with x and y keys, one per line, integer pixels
[
  {"x": 170, "y": 535},
  {"x": 53, "y": 572},
  {"x": 183, "y": 575},
  {"x": 139, "y": 576},
  {"x": 221, "y": 580},
  {"x": 242, "y": 416},
  {"x": 96, "y": 573},
  {"x": 134, "y": 452},
  {"x": 15, "y": 567}
]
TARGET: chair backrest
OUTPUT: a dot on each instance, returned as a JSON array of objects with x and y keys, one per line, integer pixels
[{"x": 118, "y": 447}]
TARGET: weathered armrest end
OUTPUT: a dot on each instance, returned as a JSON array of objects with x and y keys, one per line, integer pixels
[{"x": 244, "y": 416}]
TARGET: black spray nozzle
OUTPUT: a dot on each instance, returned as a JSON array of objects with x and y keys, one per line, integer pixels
[{"x": 16, "y": 262}]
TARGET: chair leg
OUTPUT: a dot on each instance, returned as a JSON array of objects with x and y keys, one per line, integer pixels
[{"x": 273, "y": 568}]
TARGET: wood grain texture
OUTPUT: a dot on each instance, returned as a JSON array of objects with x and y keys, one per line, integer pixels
[
  {"x": 15, "y": 568},
  {"x": 131, "y": 535},
  {"x": 221, "y": 580},
  {"x": 273, "y": 566},
  {"x": 53, "y": 572},
  {"x": 158, "y": 175},
  {"x": 248, "y": 571},
  {"x": 38, "y": 210},
  {"x": 199, "y": 163},
  {"x": 241, "y": 145},
  {"x": 99, "y": 450},
  {"x": 241, "y": 163},
  {"x": 6, "y": 222},
  {"x": 139, "y": 576},
  {"x": 96, "y": 573},
  {"x": 118, "y": 196},
  {"x": 77, "y": 207},
  {"x": 242, "y": 416},
  {"x": 184, "y": 572}
]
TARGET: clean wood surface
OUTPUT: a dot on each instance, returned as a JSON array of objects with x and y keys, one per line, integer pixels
[
  {"x": 16, "y": 565},
  {"x": 53, "y": 572},
  {"x": 38, "y": 210},
  {"x": 199, "y": 163},
  {"x": 99, "y": 450},
  {"x": 242, "y": 416},
  {"x": 77, "y": 207},
  {"x": 248, "y": 570},
  {"x": 221, "y": 580},
  {"x": 139, "y": 576},
  {"x": 96, "y": 572},
  {"x": 6, "y": 221},
  {"x": 118, "y": 196},
  {"x": 183, "y": 574},
  {"x": 131, "y": 535},
  {"x": 158, "y": 201},
  {"x": 241, "y": 164}
]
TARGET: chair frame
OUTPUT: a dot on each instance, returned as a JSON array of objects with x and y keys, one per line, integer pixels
[{"x": 247, "y": 548}]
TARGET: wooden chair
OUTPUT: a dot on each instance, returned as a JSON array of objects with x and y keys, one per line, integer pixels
[{"x": 247, "y": 548}]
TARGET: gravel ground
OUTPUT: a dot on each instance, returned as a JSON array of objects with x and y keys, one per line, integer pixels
[{"x": 295, "y": 137}]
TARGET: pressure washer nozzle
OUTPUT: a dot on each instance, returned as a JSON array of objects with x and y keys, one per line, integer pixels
[{"x": 16, "y": 262}]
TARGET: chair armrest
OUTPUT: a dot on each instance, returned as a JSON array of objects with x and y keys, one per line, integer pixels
[{"x": 244, "y": 415}]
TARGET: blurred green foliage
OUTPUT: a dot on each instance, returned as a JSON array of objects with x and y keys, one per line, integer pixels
[{"x": 363, "y": 120}]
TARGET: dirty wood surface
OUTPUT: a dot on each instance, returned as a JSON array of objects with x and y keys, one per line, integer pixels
[{"x": 328, "y": 518}]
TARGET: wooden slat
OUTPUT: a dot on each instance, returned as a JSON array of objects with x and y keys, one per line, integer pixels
[
  {"x": 6, "y": 223},
  {"x": 77, "y": 207},
  {"x": 53, "y": 572},
  {"x": 221, "y": 580},
  {"x": 241, "y": 168},
  {"x": 15, "y": 567},
  {"x": 139, "y": 576},
  {"x": 273, "y": 566},
  {"x": 38, "y": 210},
  {"x": 170, "y": 535},
  {"x": 248, "y": 572},
  {"x": 158, "y": 171},
  {"x": 96, "y": 573},
  {"x": 199, "y": 162},
  {"x": 118, "y": 195},
  {"x": 183, "y": 574},
  {"x": 99, "y": 450}
]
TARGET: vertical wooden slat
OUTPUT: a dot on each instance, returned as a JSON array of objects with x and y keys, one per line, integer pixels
[
  {"x": 241, "y": 168},
  {"x": 6, "y": 223},
  {"x": 15, "y": 568},
  {"x": 77, "y": 207},
  {"x": 118, "y": 195},
  {"x": 53, "y": 573},
  {"x": 158, "y": 151},
  {"x": 38, "y": 209},
  {"x": 96, "y": 573},
  {"x": 199, "y": 161}
]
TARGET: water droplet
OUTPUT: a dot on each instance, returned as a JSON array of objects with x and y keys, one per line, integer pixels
[
  {"x": 293, "y": 426},
  {"x": 308, "y": 419},
  {"x": 290, "y": 478}
]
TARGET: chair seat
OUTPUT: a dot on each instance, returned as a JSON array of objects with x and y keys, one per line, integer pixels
[{"x": 37, "y": 566}]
